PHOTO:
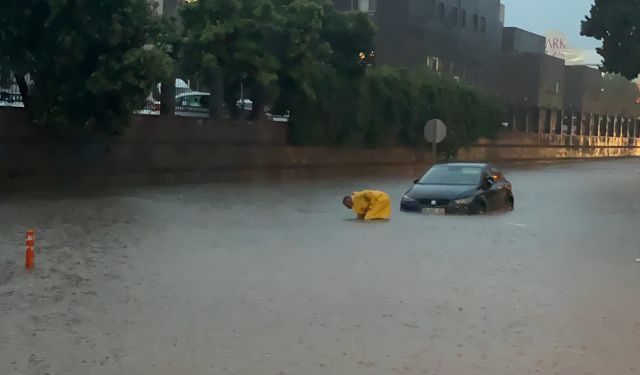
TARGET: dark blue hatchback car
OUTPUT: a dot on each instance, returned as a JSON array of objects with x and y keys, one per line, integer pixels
[{"x": 459, "y": 188}]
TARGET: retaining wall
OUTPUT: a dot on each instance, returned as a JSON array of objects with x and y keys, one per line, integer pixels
[{"x": 166, "y": 149}]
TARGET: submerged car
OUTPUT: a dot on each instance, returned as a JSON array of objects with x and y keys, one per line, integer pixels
[{"x": 459, "y": 188}]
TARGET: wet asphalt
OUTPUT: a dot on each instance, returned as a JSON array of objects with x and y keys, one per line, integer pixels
[{"x": 277, "y": 278}]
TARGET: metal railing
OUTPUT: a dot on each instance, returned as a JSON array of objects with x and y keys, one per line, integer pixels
[
  {"x": 10, "y": 95},
  {"x": 189, "y": 102}
]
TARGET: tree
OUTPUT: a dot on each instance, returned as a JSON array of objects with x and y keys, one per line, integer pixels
[
  {"x": 398, "y": 102},
  {"x": 287, "y": 50},
  {"x": 299, "y": 49},
  {"x": 617, "y": 24},
  {"x": 230, "y": 36},
  {"x": 348, "y": 35},
  {"x": 618, "y": 95},
  {"x": 92, "y": 63},
  {"x": 307, "y": 55},
  {"x": 318, "y": 51},
  {"x": 21, "y": 26}
]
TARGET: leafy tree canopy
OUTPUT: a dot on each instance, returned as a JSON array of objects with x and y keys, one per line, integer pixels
[
  {"x": 21, "y": 26},
  {"x": 230, "y": 36},
  {"x": 92, "y": 63},
  {"x": 617, "y": 24},
  {"x": 276, "y": 47},
  {"x": 306, "y": 55}
]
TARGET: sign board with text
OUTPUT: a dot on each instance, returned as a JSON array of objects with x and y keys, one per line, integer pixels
[{"x": 558, "y": 46}]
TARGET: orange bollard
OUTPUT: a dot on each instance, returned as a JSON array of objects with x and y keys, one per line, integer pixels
[
  {"x": 30, "y": 258},
  {"x": 31, "y": 238},
  {"x": 30, "y": 255}
]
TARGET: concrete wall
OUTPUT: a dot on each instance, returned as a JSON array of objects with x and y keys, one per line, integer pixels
[
  {"x": 161, "y": 150},
  {"x": 512, "y": 147}
]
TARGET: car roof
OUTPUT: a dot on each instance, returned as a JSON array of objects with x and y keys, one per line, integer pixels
[
  {"x": 479, "y": 165},
  {"x": 192, "y": 93}
]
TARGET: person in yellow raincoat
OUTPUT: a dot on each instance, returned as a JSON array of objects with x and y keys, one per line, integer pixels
[{"x": 369, "y": 204}]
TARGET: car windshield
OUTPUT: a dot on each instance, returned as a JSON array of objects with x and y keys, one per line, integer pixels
[{"x": 452, "y": 175}]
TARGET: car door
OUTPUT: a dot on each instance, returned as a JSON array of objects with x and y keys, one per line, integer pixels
[
  {"x": 499, "y": 187},
  {"x": 487, "y": 192},
  {"x": 497, "y": 195},
  {"x": 494, "y": 194}
]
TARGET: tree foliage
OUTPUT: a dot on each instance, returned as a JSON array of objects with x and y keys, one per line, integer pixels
[
  {"x": 274, "y": 47},
  {"x": 617, "y": 24},
  {"x": 320, "y": 67},
  {"x": 92, "y": 63},
  {"x": 618, "y": 95},
  {"x": 230, "y": 35},
  {"x": 21, "y": 26},
  {"x": 389, "y": 106},
  {"x": 306, "y": 56}
]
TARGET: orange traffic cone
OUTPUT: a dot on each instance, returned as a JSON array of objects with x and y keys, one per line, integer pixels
[{"x": 30, "y": 254}]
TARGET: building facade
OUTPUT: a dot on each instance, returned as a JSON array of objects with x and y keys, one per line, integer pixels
[
  {"x": 467, "y": 40},
  {"x": 546, "y": 96},
  {"x": 458, "y": 37}
]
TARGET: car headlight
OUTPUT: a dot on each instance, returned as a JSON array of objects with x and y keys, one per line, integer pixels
[
  {"x": 464, "y": 201},
  {"x": 408, "y": 199}
]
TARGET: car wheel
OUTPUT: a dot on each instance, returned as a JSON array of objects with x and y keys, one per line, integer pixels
[{"x": 510, "y": 203}]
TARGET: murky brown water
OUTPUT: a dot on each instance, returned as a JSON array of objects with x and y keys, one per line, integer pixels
[{"x": 271, "y": 278}]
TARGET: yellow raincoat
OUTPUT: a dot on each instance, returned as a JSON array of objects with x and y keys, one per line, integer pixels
[{"x": 372, "y": 205}]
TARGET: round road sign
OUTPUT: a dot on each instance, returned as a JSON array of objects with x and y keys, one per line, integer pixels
[{"x": 435, "y": 131}]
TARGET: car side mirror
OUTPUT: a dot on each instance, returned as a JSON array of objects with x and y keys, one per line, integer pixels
[
  {"x": 487, "y": 183},
  {"x": 415, "y": 182}
]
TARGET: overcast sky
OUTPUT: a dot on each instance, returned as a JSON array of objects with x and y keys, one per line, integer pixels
[{"x": 540, "y": 16}]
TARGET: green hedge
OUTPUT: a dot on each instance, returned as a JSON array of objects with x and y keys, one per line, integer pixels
[{"x": 389, "y": 106}]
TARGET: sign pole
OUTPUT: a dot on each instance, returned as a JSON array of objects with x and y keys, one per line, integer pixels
[{"x": 434, "y": 146}]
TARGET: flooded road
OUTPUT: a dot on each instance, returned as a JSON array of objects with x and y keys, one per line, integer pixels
[{"x": 277, "y": 278}]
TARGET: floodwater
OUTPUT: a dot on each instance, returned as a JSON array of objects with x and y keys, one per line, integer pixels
[{"x": 277, "y": 278}]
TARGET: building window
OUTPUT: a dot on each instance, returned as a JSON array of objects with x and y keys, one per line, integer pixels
[
  {"x": 454, "y": 16},
  {"x": 483, "y": 25},
  {"x": 464, "y": 19},
  {"x": 475, "y": 22},
  {"x": 364, "y": 5},
  {"x": 433, "y": 63},
  {"x": 441, "y": 10}
]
